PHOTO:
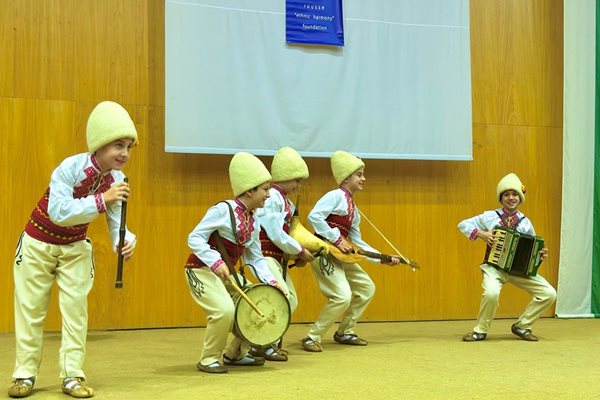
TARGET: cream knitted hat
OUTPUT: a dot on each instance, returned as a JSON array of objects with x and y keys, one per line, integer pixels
[
  {"x": 344, "y": 164},
  {"x": 246, "y": 172},
  {"x": 108, "y": 122},
  {"x": 287, "y": 165},
  {"x": 511, "y": 182}
]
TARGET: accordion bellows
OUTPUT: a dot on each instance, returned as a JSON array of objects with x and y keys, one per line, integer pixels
[{"x": 515, "y": 253}]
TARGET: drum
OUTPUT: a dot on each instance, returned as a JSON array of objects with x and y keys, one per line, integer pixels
[{"x": 257, "y": 330}]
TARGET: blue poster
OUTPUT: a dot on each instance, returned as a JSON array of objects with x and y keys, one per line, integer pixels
[{"x": 314, "y": 22}]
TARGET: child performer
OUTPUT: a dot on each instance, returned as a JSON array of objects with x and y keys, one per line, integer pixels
[
  {"x": 348, "y": 288},
  {"x": 510, "y": 192},
  {"x": 288, "y": 170},
  {"x": 54, "y": 248},
  {"x": 206, "y": 269}
]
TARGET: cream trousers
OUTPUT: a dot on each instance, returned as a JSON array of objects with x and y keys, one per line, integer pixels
[
  {"x": 36, "y": 267},
  {"x": 287, "y": 284},
  {"x": 209, "y": 291},
  {"x": 493, "y": 279},
  {"x": 348, "y": 289}
]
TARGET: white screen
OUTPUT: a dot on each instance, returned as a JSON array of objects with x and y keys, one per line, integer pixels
[{"x": 399, "y": 89}]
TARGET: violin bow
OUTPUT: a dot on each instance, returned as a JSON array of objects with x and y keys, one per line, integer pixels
[{"x": 384, "y": 238}]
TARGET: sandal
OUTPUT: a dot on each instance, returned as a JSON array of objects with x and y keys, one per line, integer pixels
[
  {"x": 21, "y": 387},
  {"x": 524, "y": 334},
  {"x": 212, "y": 368},
  {"x": 273, "y": 353},
  {"x": 76, "y": 387},
  {"x": 349, "y": 338},
  {"x": 474, "y": 337},
  {"x": 310, "y": 345},
  {"x": 278, "y": 346},
  {"x": 270, "y": 353},
  {"x": 247, "y": 360}
]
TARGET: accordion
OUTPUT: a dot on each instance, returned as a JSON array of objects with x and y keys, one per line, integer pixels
[{"x": 515, "y": 253}]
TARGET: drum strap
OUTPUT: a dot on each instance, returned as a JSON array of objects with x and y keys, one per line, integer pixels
[
  {"x": 284, "y": 266},
  {"x": 223, "y": 251}
]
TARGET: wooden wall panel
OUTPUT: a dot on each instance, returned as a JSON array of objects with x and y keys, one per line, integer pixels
[
  {"x": 7, "y": 45},
  {"x": 65, "y": 56},
  {"x": 113, "y": 63},
  {"x": 9, "y": 228},
  {"x": 516, "y": 62},
  {"x": 44, "y": 56}
]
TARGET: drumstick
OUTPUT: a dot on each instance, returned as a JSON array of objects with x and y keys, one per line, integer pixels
[
  {"x": 384, "y": 238},
  {"x": 245, "y": 296},
  {"x": 122, "y": 229}
]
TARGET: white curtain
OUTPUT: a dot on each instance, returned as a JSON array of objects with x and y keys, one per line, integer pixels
[
  {"x": 399, "y": 88},
  {"x": 577, "y": 233}
]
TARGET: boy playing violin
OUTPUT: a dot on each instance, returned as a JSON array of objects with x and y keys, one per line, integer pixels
[{"x": 348, "y": 288}]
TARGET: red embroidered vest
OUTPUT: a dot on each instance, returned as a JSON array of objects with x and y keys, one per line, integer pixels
[
  {"x": 41, "y": 227},
  {"x": 233, "y": 250}
]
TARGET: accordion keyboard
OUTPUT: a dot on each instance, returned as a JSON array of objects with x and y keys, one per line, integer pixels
[
  {"x": 497, "y": 251},
  {"x": 514, "y": 252}
]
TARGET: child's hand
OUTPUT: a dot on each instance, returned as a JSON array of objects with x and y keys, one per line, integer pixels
[
  {"x": 120, "y": 191},
  {"x": 223, "y": 272},
  {"x": 127, "y": 250},
  {"x": 543, "y": 254},
  {"x": 487, "y": 237},
  {"x": 305, "y": 257},
  {"x": 345, "y": 247},
  {"x": 278, "y": 286},
  {"x": 394, "y": 261}
]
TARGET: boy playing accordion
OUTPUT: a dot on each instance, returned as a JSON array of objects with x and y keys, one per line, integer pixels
[{"x": 511, "y": 193}]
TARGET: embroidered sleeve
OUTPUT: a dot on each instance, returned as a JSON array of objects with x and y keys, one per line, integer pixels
[
  {"x": 483, "y": 222},
  {"x": 272, "y": 218},
  {"x": 216, "y": 265},
  {"x": 473, "y": 234},
  {"x": 331, "y": 203},
  {"x": 63, "y": 208},
  {"x": 215, "y": 219},
  {"x": 100, "y": 205}
]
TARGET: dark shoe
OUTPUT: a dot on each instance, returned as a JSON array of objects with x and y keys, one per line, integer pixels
[
  {"x": 247, "y": 360},
  {"x": 524, "y": 334},
  {"x": 213, "y": 368},
  {"x": 21, "y": 387},
  {"x": 349, "y": 338},
  {"x": 310, "y": 345},
  {"x": 474, "y": 337}
]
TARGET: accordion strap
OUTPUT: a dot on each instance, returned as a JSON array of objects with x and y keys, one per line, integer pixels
[{"x": 506, "y": 223}]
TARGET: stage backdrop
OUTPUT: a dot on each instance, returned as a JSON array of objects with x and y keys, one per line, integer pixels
[
  {"x": 400, "y": 88},
  {"x": 579, "y": 270},
  {"x": 61, "y": 57}
]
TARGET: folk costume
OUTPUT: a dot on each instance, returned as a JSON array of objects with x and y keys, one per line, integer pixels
[
  {"x": 348, "y": 288},
  {"x": 275, "y": 218},
  {"x": 494, "y": 278},
  {"x": 206, "y": 288},
  {"x": 54, "y": 248}
]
